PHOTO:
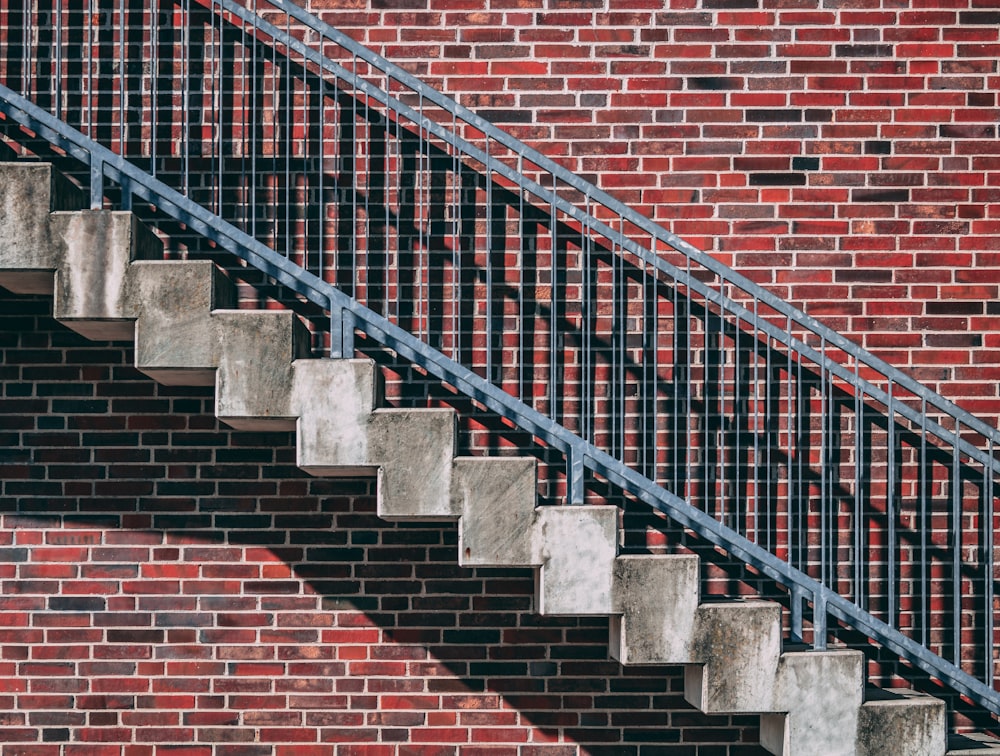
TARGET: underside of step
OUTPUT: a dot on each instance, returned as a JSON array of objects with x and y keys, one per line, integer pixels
[{"x": 108, "y": 281}]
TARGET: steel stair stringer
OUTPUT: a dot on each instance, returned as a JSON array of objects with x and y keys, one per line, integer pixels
[{"x": 108, "y": 280}]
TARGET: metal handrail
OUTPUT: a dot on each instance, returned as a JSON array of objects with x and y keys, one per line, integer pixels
[{"x": 630, "y": 261}]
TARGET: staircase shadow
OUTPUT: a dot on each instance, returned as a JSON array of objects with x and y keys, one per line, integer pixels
[{"x": 207, "y": 563}]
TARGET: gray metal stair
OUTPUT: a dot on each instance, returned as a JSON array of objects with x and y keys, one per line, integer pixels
[{"x": 108, "y": 280}]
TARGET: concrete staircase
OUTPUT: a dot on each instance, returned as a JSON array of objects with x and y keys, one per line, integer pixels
[{"x": 109, "y": 281}]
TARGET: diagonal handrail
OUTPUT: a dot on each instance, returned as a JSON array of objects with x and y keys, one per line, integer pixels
[{"x": 806, "y": 349}]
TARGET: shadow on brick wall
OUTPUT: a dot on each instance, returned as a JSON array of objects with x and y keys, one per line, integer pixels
[{"x": 167, "y": 580}]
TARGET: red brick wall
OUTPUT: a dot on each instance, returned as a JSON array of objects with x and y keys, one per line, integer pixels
[
  {"x": 843, "y": 154},
  {"x": 846, "y": 158},
  {"x": 169, "y": 586}
]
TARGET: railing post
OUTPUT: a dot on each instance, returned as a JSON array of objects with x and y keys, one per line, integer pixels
[
  {"x": 795, "y": 604},
  {"x": 342, "y": 323},
  {"x": 126, "y": 199},
  {"x": 574, "y": 476},
  {"x": 819, "y": 621},
  {"x": 96, "y": 183}
]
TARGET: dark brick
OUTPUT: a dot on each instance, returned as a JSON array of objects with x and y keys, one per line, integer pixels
[
  {"x": 714, "y": 83},
  {"x": 985, "y": 18},
  {"x": 863, "y": 51},
  {"x": 77, "y": 603},
  {"x": 955, "y": 307},
  {"x": 777, "y": 179},
  {"x": 967, "y": 131},
  {"x": 774, "y": 115},
  {"x": 730, "y": 4},
  {"x": 880, "y": 195},
  {"x": 878, "y": 147}
]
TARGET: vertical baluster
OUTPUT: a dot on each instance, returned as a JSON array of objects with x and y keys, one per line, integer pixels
[
  {"x": 26, "y": 30},
  {"x": 824, "y": 409},
  {"x": 736, "y": 433},
  {"x": 522, "y": 316},
  {"x": 219, "y": 84},
  {"x": 956, "y": 546},
  {"x": 274, "y": 192},
  {"x": 790, "y": 450},
  {"x": 422, "y": 248},
  {"x": 642, "y": 370},
  {"x": 860, "y": 558},
  {"x": 687, "y": 418},
  {"x": 89, "y": 131},
  {"x": 721, "y": 436},
  {"x": 396, "y": 275},
  {"x": 612, "y": 434},
  {"x": 587, "y": 411},
  {"x": 390, "y": 145},
  {"x": 925, "y": 481},
  {"x": 770, "y": 434},
  {"x": 355, "y": 94},
  {"x": 456, "y": 257},
  {"x": 122, "y": 77},
  {"x": 365, "y": 163},
  {"x": 154, "y": 33},
  {"x": 554, "y": 309},
  {"x": 754, "y": 532},
  {"x": 245, "y": 62},
  {"x": 720, "y": 432},
  {"x": 321, "y": 172},
  {"x": 988, "y": 559},
  {"x": 215, "y": 196},
  {"x": 654, "y": 337},
  {"x": 619, "y": 316},
  {"x": 890, "y": 508},
  {"x": 253, "y": 125},
  {"x": 58, "y": 73},
  {"x": 488, "y": 270},
  {"x": 185, "y": 95},
  {"x": 289, "y": 111},
  {"x": 679, "y": 412},
  {"x": 710, "y": 389}
]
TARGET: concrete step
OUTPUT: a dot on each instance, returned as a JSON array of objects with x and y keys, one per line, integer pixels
[
  {"x": 108, "y": 280},
  {"x": 29, "y": 192},
  {"x": 818, "y": 694},
  {"x": 901, "y": 723}
]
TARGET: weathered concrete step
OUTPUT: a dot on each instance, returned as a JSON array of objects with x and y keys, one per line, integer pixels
[
  {"x": 817, "y": 695},
  {"x": 30, "y": 191},
  {"x": 176, "y": 342},
  {"x": 901, "y": 723}
]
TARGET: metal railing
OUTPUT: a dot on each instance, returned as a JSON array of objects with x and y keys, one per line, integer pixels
[{"x": 648, "y": 364}]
